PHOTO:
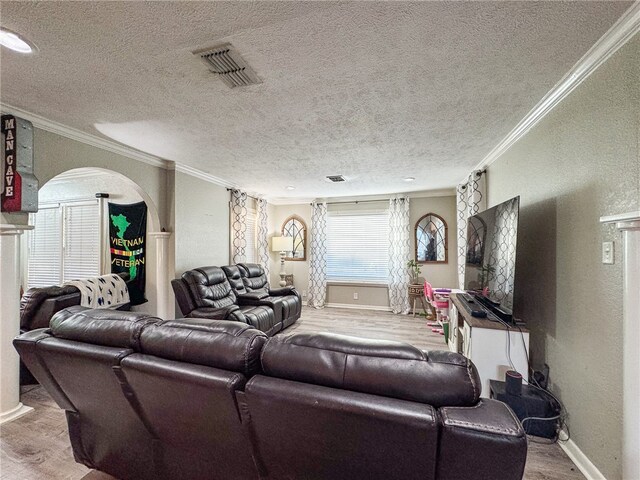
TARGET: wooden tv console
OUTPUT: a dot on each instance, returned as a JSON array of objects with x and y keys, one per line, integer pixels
[{"x": 487, "y": 343}]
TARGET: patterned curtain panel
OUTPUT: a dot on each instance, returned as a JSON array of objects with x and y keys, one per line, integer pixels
[
  {"x": 318, "y": 256},
  {"x": 503, "y": 254},
  {"x": 263, "y": 236},
  {"x": 472, "y": 199},
  {"x": 399, "y": 254},
  {"x": 238, "y": 226}
]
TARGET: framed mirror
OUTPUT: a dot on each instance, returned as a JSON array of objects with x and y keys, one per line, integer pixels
[
  {"x": 431, "y": 239},
  {"x": 295, "y": 227}
]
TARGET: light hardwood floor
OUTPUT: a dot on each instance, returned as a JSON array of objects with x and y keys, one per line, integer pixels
[{"x": 36, "y": 446}]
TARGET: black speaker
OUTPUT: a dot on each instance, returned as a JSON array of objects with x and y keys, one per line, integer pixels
[
  {"x": 513, "y": 382},
  {"x": 532, "y": 402}
]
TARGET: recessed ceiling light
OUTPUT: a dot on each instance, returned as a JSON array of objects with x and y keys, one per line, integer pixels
[
  {"x": 15, "y": 42},
  {"x": 290, "y": 187},
  {"x": 409, "y": 179}
]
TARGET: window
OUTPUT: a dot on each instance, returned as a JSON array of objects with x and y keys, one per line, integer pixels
[
  {"x": 358, "y": 247},
  {"x": 250, "y": 237},
  {"x": 45, "y": 246},
  {"x": 65, "y": 243}
]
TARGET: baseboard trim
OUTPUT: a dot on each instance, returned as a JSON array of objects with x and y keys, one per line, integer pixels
[
  {"x": 14, "y": 413},
  {"x": 580, "y": 460},
  {"x": 359, "y": 307}
]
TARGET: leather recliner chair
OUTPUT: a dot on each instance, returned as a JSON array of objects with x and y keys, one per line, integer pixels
[
  {"x": 255, "y": 281},
  {"x": 203, "y": 399},
  {"x": 285, "y": 302},
  {"x": 205, "y": 292}
]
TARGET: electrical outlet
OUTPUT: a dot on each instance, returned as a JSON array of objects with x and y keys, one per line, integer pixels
[
  {"x": 304, "y": 294},
  {"x": 355, "y": 295},
  {"x": 607, "y": 252}
]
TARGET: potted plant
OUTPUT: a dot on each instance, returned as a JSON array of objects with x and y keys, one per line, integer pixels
[{"x": 415, "y": 270}]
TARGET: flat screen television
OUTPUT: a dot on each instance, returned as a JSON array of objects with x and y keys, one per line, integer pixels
[{"x": 490, "y": 266}]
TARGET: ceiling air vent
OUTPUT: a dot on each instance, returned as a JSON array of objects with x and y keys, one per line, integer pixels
[
  {"x": 229, "y": 65},
  {"x": 336, "y": 178}
]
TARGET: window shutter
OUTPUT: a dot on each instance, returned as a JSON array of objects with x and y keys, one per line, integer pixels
[
  {"x": 81, "y": 253},
  {"x": 250, "y": 237},
  {"x": 45, "y": 243},
  {"x": 358, "y": 247}
]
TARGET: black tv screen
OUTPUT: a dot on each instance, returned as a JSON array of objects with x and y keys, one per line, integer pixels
[{"x": 490, "y": 266}]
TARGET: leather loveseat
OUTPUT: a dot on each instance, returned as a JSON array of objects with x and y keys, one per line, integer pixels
[
  {"x": 251, "y": 286},
  {"x": 206, "y": 399},
  {"x": 232, "y": 293}
]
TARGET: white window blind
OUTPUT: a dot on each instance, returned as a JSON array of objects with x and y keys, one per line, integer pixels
[
  {"x": 45, "y": 245},
  {"x": 358, "y": 247},
  {"x": 250, "y": 237},
  {"x": 64, "y": 244},
  {"x": 81, "y": 249}
]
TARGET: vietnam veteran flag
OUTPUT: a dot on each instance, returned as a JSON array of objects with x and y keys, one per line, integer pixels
[{"x": 127, "y": 243}]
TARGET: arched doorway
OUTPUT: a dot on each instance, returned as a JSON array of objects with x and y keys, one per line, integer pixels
[{"x": 78, "y": 187}]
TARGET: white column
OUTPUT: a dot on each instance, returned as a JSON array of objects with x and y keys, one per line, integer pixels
[
  {"x": 629, "y": 225},
  {"x": 10, "y": 406},
  {"x": 164, "y": 300}
]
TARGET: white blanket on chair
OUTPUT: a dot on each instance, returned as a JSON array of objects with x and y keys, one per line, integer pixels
[{"x": 107, "y": 291}]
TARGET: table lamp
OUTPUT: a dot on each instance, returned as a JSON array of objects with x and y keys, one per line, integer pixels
[{"x": 282, "y": 245}]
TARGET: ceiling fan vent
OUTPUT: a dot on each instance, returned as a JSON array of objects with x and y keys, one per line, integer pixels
[
  {"x": 229, "y": 65},
  {"x": 336, "y": 178}
]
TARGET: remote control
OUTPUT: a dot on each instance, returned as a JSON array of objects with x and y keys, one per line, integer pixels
[{"x": 478, "y": 313}]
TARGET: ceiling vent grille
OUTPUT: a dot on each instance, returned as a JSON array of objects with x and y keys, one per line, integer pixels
[
  {"x": 229, "y": 65},
  {"x": 336, "y": 178}
]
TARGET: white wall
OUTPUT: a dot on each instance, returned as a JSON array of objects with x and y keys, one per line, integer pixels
[
  {"x": 441, "y": 275},
  {"x": 438, "y": 274},
  {"x": 201, "y": 223},
  {"x": 300, "y": 269},
  {"x": 55, "y": 154},
  {"x": 581, "y": 162}
]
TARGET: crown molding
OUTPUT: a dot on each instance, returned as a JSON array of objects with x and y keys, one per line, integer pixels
[
  {"x": 619, "y": 34},
  {"x": 83, "y": 137},
  {"x": 207, "y": 177},
  {"x": 114, "y": 147}
]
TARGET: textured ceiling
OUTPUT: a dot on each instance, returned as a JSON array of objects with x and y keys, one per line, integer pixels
[{"x": 375, "y": 91}]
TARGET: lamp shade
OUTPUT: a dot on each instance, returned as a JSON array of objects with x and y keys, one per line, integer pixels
[{"x": 281, "y": 244}]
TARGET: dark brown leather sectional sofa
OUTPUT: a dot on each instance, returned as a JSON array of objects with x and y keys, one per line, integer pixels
[
  {"x": 209, "y": 399},
  {"x": 240, "y": 293}
]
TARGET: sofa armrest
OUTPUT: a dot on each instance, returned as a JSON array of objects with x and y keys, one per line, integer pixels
[
  {"x": 282, "y": 291},
  {"x": 183, "y": 296},
  {"x": 27, "y": 345},
  {"x": 222, "y": 313},
  {"x": 251, "y": 297},
  {"x": 487, "y": 436}
]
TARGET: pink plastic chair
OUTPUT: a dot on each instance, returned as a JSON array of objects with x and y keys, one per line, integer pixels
[
  {"x": 438, "y": 301},
  {"x": 437, "y": 298}
]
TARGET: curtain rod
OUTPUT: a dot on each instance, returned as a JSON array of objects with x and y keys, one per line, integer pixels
[{"x": 248, "y": 196}]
